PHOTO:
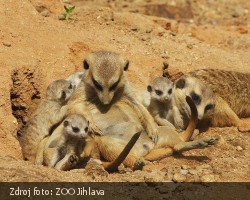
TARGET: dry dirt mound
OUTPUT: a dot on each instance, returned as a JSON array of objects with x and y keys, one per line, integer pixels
[{"x": 37, "y": 48}]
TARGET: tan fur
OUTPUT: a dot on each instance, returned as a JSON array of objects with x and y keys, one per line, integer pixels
[
  {"x": 64, "y": 147},
  {"x": 232, "y": 91},
  {"x": 160, "y": 106},
  {"x": 118, "y": 115},
  {"x": 202, "y": 96},
  {"x": 105, "y": 84},
  {"x": 49, "y": 112}
]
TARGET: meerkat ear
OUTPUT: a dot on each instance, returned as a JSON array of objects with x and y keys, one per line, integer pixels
[
  {"x": 85, "y": 64},
  {"x": 149, "y": 88},
  {"x": 180, "y": 83},
  {"x": 126, "y": 65}
]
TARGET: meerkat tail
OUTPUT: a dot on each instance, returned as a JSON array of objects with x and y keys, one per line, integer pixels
[
  {"x": 193, "y": 120},
  {"x": 111, "y": 167}
]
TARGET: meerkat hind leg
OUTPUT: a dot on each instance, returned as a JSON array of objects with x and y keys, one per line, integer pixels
[
  {"x": 200, "y": 143},
  {"x": 158, "y": 154}
]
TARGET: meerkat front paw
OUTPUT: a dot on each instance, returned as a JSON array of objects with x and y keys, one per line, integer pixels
[
  {"x": 153, "y": 135},
  {"x": 73, "y": 160},
  {"x": 95, "y": 130},
  {"x": 139, "y": 164}
]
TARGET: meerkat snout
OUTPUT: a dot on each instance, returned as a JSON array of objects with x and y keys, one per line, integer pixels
[{"x": 104, "y": 72}]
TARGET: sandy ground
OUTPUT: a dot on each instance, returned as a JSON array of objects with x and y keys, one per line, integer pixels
[{"x": 37, "y": 48}]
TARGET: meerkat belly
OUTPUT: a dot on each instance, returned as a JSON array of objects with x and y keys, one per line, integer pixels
[{"x": 115, "y": 115}]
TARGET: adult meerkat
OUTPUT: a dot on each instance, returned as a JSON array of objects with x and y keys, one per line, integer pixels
[
  {"x": 75, "y": 79},
  {"x": 48, "y": 113},
  {"x": 70, "y": 143},
  {"x": 104, "y": 86},
  {"x": 202, "y": 96},
  {"x": 232, "y": 99},
  {"x": 161, "y": 106},
  {"x": 169, "y": 141},
  {"x": 106, "y": 100}
]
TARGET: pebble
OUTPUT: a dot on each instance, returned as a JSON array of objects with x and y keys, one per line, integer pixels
[
  {"x": 208, "y": 178},
  {"x": 185, "y": 167},
  {"x": 190, "y": 46},
  {"x": 184, "y": 171},
  {"x": 239, "y": 148},
  {"x": 61, "y": 17},
  {"x": 45, "y": 13},
  {"x": 193, "y": 171},
  {"x": 179, "y": 178},
  {"x": 7, "y": 44}
]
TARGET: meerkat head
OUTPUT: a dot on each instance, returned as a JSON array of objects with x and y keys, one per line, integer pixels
[
  {"x": 104, "y": 72},
  {"x": 75, "y": 79},
  {"x": 59, "y": 90},
  {"x": 76, "y": 126},
  {"x": 202, "y": 96},
  {"x": 161, "y": 89}
]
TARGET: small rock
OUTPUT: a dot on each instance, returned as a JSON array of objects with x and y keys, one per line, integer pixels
[
  {"x": 7, "y": 44},
  {"x": 185, "y": 167},
  {"x": 179, "y": 178},
  {"x": 173, "y": 33},
  {"x": 149, "y": 30},
  {"x": 45, "y": 13},
  {"x": 61, "y": 17},
  {"x": 165, "y": 65},
  {"x": 184, "y": 171},
  {"x": 94, "y": 167},
  {"x": 193, "y": 171},
  {"x": 190, "y": 46},
  {"x": 239, "y": 148},
  {"x": 208, "y": 178},
  {"x": 134, "y": 29}
]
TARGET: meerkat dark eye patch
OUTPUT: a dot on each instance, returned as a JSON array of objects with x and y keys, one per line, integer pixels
[
  {"x": 149, "y": 88},
  {"x": 75, "y": 129},
  {"x": 158, "y": 92},
  {"x": 114, "y": 85},
  {"x": 170, "y": 91},
  {"x": 180, "y": 83},
  {"x": 126, "y": 66},
  {"x": 85, "y": 64},
  {"x": 97, "y": 85},
  {"x": 70, "y": 86},
  {"x": 65, "y": 123},
  {"x": 208, "y": 107},
  {"x": 86, "y": 129},
  {"x": 196, "y": 98},
  {"x": 63, "y": 96}
]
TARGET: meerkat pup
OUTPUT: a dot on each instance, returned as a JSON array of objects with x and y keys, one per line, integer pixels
[
  {"x": 75, "y": 79},
  {"x": 63, "y": 148},
  {"x": 49, "y": 112},
  {"x": 232, "y": 96},
  {"x": 202, "y": 96},
  {"x": 160, "y": 107}
]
